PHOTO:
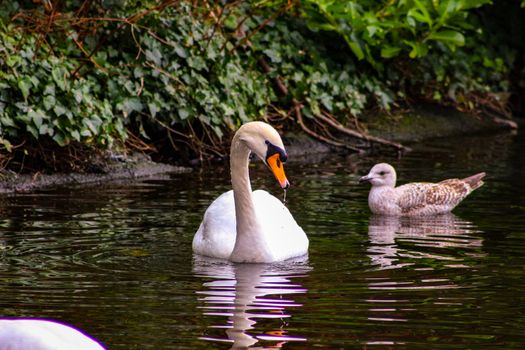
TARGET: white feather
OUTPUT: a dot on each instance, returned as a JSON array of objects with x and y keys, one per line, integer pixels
[
  {"x": 217, "y": 232},
  {"x": 28, "y": 334}
]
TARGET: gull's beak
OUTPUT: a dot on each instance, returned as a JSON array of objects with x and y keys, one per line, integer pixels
[
  {"x": 275, "y": 164},
  {"x": 365, "y": 178}
]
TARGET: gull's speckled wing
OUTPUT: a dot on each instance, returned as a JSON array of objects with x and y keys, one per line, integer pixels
[{"x": 432, "y": 198}]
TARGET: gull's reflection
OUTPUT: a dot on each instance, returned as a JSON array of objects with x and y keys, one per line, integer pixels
[
  {"x": 248, "y": 293},
  {"x": 396, "y": 241},
  {"x": 412, "y": 256}
]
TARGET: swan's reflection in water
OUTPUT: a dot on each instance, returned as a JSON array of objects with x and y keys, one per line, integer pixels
[
  {"x": 248, "y": 293},
  {"x": 396, "y": 242}
]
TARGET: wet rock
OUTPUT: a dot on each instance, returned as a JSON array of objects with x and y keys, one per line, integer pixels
[
  {"x": 103, "y": 170},
  {"x": 432, "y": 121}
]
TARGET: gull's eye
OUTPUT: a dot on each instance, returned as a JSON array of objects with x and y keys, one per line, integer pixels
[{"x": 382, "y": 173}]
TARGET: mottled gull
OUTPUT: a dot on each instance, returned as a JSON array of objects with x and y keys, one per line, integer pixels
[{"x": 417, "y": 198}]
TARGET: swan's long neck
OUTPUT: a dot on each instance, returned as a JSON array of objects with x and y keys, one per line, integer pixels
[{"x": 249, "y": 243}]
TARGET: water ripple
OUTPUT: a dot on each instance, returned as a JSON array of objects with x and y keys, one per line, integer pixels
[{"x": 255, "y": 299}]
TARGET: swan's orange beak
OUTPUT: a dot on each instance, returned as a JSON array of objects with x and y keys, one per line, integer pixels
[{"x": 275, "y": 164}]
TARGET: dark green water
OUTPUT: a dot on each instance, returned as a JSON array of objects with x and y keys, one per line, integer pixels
[{"x": 116, "y": 260}]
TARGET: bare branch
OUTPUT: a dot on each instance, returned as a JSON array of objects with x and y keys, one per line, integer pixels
[{"x": 338, "y": 126}]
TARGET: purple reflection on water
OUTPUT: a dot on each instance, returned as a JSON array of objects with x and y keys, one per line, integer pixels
[{"x": 253, "y": 298}]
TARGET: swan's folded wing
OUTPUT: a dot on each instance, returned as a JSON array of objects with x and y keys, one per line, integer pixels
[{"x": 216, "y": 234}]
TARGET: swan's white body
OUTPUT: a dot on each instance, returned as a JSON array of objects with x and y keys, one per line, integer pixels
[
  {"x": 280, "y": 236},
  {"x": 28, "y": 334},
  {"x": 245, "y": 226}
]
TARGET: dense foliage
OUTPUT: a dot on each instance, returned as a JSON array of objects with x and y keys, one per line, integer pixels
[
  {"x": 378, "y": 29},
  {"x": 97, "y": 72},
  {"x": 38, "y": 96},
  {"x": 430, "y": 49},
  {"x": 165, "y": 69}
]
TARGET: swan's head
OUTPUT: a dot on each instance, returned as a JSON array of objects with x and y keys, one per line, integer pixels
[
  {"x": 381, "y": 174},
  {"x": 264, "y": 141}
]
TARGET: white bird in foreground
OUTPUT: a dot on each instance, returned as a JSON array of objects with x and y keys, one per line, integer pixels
[
  {"x": 245, "y": 226},
  {"x": 31, "y": 334},
  {"x": 417, "y": 198}
]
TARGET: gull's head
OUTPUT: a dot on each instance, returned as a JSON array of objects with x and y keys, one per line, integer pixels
[{"x": 381, "y": 174}]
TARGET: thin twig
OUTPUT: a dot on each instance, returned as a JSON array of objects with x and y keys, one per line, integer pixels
[
  {"x": 79, "y": 45},
  {"x": 358, "y": 135},
  {"x": 129, "y": 20},
  {"x": 263, "y": 24},
  {"x": 281, "y": 86},
  {"x": 297, "y": 109},
  {"x": 215, "y": 26}
]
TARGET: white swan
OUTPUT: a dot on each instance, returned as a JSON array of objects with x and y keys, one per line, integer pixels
[
  {"x": 246, "y": 226},
  {"x": 31, "y": 334}
]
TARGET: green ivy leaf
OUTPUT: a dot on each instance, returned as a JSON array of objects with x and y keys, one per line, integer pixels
[
  {"x": 356, "y": 48},
  {"x": 59, "y": 109},
  {"x": 390, "y": 51},
  {"x": 13, "y": 60},
  {"x": 155, "y": 56},
  {"x": 181, "y": 51},
  {"x": 418, "y": 49},
  {"x": 32, "y": 130},
  {"x": 470, "y": 4},
  {"x": 49, "y": 89},
  {"x": 129, "y": 105},
  {"x": 36, "y": 117},
  {"x": 24, "y": 84},
  {"x": 77, "y": 93},
  {"x": 448, "y": 37},
  {"x": 7, "y": 145},
  {"x": 76, "y": 135},
  {"x": 184, "y": 113},
  {"x": 420, "y": 13},
  {"x": 6, "y": 120},
  {"x": 49, "y": 102},
  {"x": 60, "y": 140},
  {"x": 274, "y": 55},
  {"x": 90, "y": 126},
  {"x": 153, "y": 109},
  {"x": 45, "y": 130},
  {"x": 58, "y": 77}
]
